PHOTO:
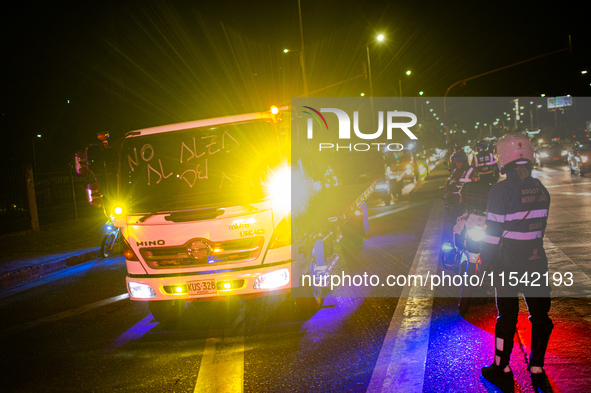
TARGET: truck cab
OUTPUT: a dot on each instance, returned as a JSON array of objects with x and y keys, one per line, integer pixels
[{"x": 205, "y": 210}]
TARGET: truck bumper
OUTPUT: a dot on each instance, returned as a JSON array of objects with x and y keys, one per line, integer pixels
[{"x": 215, "y": 286}]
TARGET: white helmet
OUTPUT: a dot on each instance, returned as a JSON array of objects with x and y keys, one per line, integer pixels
[{"x": 514, "y": 148}]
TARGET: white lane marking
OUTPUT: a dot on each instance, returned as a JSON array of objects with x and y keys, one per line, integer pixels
[
  {"x": 569, "y": 184},
  {"x": 401, "y": 363},
  {"x": 63, "y": 315},
  {"x": 222, "y": 364},
  {"x": 558, "y": 262},
  {"x": 573, "y": 193},
  {"x": 388, "y": 212},
  {"x": 553, "y": 169}
]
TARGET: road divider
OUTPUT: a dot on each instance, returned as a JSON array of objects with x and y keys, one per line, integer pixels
[{"x": 401, "y": 363}]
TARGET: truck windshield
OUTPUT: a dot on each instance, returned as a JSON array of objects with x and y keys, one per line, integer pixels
[{"x": 198, "y": 168}]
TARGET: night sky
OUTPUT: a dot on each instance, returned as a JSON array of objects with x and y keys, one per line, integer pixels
[{"x": 72, "y": 69}]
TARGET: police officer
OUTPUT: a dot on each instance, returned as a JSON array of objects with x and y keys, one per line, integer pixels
[{"x": 517, "y": 211}]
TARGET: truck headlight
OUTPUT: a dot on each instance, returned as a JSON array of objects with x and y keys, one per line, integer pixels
[
  {"x": 289, "y": 189},
  {"x": 476, "y": 234},
  {"x": 275, "y": 279},
  {"x": 141, "y": 291}
]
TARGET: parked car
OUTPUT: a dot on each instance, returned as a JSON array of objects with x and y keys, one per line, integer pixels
[{"x": 579, "y": 158}]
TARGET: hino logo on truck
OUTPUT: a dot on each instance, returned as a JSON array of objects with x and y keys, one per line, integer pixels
[
  {"x": 345, "y": 129},
  {"x": 159, "y": 242}
]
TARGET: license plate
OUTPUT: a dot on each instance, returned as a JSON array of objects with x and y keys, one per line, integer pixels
[
  {"x": 556, "y": 158},
  {"x": 202, "y": 287}
]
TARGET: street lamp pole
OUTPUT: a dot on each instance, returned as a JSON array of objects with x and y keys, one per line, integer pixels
[
  {"x": 34, "y": 154},
  {"x": 369, "y": 72},
  {"x": 569, "y": 48},
  {"x": 302, "y": 55}
]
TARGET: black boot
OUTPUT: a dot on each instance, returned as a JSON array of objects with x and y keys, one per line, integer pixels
[
  {"x": 539, "y": 381},
  {"x": 497, "y": 375},
  {"x": 538, "y": 351}
]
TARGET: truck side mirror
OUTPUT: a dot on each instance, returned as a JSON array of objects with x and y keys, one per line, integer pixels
[
  {"x": 81, "y": 163},
  {"x": 93, "y": 195}
]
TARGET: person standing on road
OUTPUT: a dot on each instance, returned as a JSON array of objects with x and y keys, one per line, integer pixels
[{"x": 517, "y": 212}]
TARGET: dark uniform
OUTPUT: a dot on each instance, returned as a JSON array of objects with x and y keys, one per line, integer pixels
[{"x": 516, "y": 217}]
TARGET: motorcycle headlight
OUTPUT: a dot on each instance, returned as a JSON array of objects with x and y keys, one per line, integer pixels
[
  {"x": 584, "y": 158},
  {"x": 476, "y": 234}
]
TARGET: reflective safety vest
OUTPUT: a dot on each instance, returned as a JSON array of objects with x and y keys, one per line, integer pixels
[{"x": 517, "y": 213}]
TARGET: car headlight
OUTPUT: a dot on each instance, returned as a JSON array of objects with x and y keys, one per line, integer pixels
[
  {"x": 476, "y": 234},
  {"x": 543, "y": 155},
  {"x": 382, "y": 187},
  {"x": 564, "y": 153}
]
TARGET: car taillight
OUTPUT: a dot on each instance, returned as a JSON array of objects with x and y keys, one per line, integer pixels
[
  {"x": 282, "y": 234},
  {"x": 128, "y": 252}
]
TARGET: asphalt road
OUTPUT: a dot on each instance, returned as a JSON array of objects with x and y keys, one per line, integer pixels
[{"x": 78, "y": 331}]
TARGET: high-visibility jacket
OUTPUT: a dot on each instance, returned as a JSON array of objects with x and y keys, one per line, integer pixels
[{"x": 516, "y": 217}]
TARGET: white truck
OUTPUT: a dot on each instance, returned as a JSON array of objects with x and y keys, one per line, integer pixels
[{"x": 205, "y": 211}]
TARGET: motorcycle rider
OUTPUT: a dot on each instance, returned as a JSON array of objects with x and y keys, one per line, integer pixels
[
  {"x": 517, "y": 212},
  {"x": 484, "y": 166},
  {"x": 453, "y": 186}
]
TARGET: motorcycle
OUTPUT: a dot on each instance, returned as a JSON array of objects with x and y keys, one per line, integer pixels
[
  {"x": 463, "y": 252},
  {"x": 113, "y": 234}
]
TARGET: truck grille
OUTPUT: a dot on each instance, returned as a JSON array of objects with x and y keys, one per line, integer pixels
[{"x": 203, "y": 252}]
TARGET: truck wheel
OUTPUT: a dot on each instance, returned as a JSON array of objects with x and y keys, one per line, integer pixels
[
  {"x": 353, "y": 232},
  {"x": 354, "y": 240},
  {"x": 166, "y": 311},
  {"x": 108, "y": 244},
  {"x": 307, "y": 306}
]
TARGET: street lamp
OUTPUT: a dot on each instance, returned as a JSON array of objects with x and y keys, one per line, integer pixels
[
  {"x": 400, "y": 83},
  {"x": 34, "y": 155},
  {"x": 303, "y": 68},
  {"x": 379, "y": 38}
]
